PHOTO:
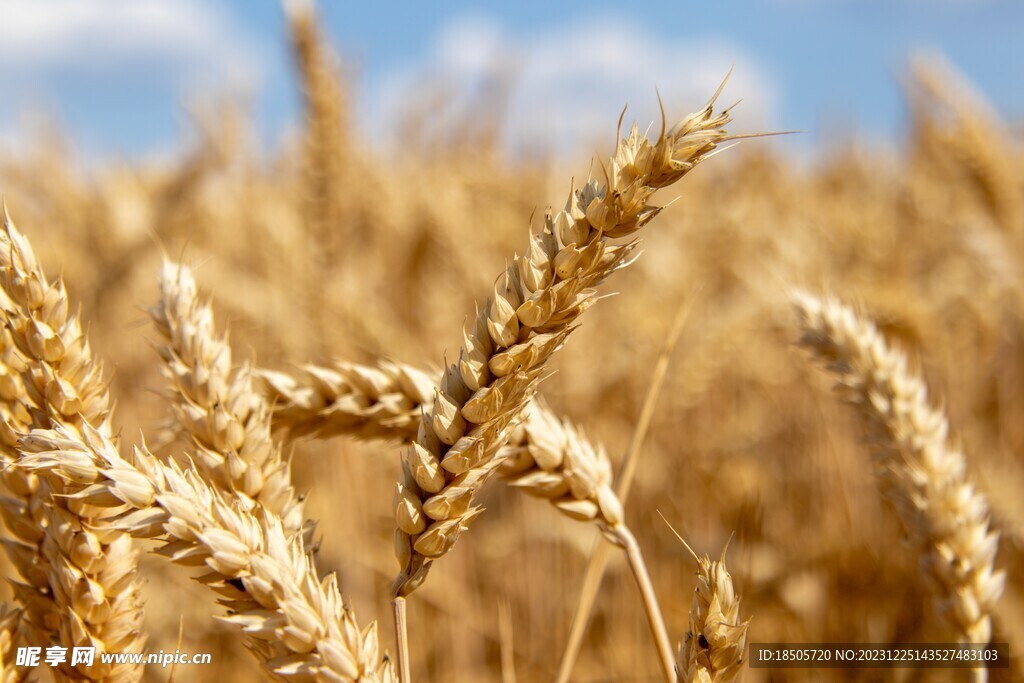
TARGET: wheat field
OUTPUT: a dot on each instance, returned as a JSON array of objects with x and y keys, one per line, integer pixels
[{"x": 237, "y": 385}]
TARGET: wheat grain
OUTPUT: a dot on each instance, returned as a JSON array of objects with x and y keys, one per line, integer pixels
[
  {"x": 921, "y": 471},
  {"x": 91, "y": 591},
  {"x": 297, "y": 623}
]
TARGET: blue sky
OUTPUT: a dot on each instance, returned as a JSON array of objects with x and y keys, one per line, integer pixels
[{"x": 115, "y": 73}]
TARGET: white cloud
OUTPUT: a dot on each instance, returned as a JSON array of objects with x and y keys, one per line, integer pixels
[
  {"x": 126, "y": 57},
  {"x": 566, "y": 87},
  {"x": 187, "y": 38}
]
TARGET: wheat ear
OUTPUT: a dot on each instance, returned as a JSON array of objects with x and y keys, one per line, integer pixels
[
  {"x": 324, "y": 141},
  {"x": 215, "y": 402},
  {"x": 296, "y": 623},
  {"x": 536, "y": 303},
  {"x": 712, "y": 649},
  {"x": 93, "y": 593},
  {"x": 921, "y": 471}
]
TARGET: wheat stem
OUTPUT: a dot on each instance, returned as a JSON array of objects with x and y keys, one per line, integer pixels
[
  {"x": 625, "y": 538},
  {"x": 402, "y": 638}
]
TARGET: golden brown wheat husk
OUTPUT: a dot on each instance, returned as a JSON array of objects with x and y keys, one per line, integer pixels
[
  {"x": 922, "y": 472},
  {"x": 380, "y": 401},
  {"x": 81, "y": 576},
  {"x": 296, "y": 623}
]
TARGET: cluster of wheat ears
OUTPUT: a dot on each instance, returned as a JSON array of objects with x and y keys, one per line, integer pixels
[{"x": 78, "y": 501}]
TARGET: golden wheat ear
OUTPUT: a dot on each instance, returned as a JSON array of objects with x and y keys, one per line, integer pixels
[
  {"x": 80, "y": 582},
  {"x": 921, "y": 471},
  {"x": 296, "y": 623},
  {"x": 216, "y": 404}
]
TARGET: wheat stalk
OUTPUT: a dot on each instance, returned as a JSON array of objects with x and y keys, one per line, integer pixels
[
  {"x": 83, "y": 584},
  {"x": 296, "y": 623},
  {"x": 215, "y": 402},
  {"x": 922, "y": 473}
]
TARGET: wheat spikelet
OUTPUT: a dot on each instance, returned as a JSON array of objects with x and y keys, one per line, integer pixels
[
  {"x": 712, "y": 649},
  {"x": 90, "y": 596},
  {"x": 536, "y": 302},
  {"x": 297, "y": 623},
  {"x": 922, "y": 472},
  {"x": 216, "y": 404}
]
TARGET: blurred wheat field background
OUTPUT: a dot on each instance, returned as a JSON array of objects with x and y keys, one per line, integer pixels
[{"x": 329, "y": 249}]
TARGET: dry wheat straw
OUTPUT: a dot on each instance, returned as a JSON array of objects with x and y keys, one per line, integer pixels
[
  {"x": 296, "y": 623},
  {"x": 215, "y": 402},
  {"x": 82, "y": 585},
  {"x": 922, "y": 472},
  {"x": 712, "y": 649},
  {"x": 601, "y": 553}
]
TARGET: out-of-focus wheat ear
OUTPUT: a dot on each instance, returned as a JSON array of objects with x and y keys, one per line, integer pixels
[
  {"x": 294, "y": 621},
  {"x": 921, "y": 471},
  {"x": 327, "y": 157},
  {"x": 712, "y": 651},
  {"x": 324, "y": 144},
  {"x": 216, "y": 403},
  {"x": 81, "y": 583}
]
